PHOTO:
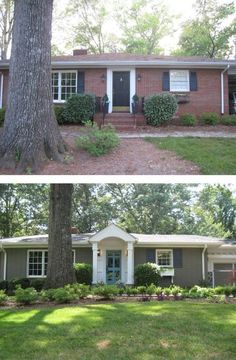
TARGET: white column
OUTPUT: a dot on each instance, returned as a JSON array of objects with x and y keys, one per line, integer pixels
[
  {"x": 95, "y": 263},
  {"x": 130, "y": 267},
  {"x": 132, "y": 86},
  {"x": 110, "y": 88}
]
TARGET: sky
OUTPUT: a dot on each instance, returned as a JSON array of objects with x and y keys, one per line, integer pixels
[{"x": 184, "y": 8}]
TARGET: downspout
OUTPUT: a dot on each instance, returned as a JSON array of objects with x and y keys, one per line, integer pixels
[
  {"x": 203, "y": 263},
  {"x": 4, "y": 262},
  {"x": 222, "y": 90}
]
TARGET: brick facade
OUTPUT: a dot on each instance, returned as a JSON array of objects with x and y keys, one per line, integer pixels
[{"x": 206, "y": 98}]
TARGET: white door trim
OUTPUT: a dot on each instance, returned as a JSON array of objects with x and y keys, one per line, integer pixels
[{"x": 110, "y": 84}]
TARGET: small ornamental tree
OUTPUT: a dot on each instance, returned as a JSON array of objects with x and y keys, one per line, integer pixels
[
  {"x": 159, "y": 108},
  {"x": 147, "y": 274}
]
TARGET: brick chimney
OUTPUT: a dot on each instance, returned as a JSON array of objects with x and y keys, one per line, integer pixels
[{"x": 78, "y": 52}]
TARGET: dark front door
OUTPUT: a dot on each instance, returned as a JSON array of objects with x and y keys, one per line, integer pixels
[
  {"x": 113, "y": 266},
  {"x": 121, "y": 90}
]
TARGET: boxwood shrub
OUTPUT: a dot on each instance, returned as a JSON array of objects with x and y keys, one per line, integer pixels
[
  {"x": 26, "y": 296},
  {"x": 83, "y": 273},
  {"x": 188, "y": 119},
  {"x": 159, "y": 108},
  {"x": 209, "y": 118},
  {"x": 147, "y": 274},
  {"x": 59, "y": 113},
  {"x": 229, "y": 120},
  {"x": 79, "y": 108}
]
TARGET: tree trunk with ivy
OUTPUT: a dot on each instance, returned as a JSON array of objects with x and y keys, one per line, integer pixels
[
  {"x": 60, "y": 260},
  {"x": 31, "y": 132}
]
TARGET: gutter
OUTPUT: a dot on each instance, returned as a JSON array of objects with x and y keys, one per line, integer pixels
[
  {"x": 203, "y": 263},
  {"x": 222, "y": 90},
  {"x": 4, "y": 262}
]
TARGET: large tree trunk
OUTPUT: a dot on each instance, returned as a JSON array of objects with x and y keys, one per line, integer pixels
[
  {"x": 31, "y": 133},
  {"x": 60, "y": 261}
]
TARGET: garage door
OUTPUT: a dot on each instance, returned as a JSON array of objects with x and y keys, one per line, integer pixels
[{"x": 224, "y": 274}]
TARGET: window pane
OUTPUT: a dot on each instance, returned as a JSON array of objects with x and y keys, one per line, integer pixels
[
  {"x": 164, "y": 258},
  {"x": 68, "y": 85},
  {"x": 179, "y": 80},
  {"x": 55, "y": 86},
  {"x": 35, "y": 263}
]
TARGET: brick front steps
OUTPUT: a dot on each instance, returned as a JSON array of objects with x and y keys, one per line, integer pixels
[{"x": 122, "y": 121}]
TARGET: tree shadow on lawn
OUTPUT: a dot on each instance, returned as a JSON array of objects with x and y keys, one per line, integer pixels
[{"x": 142, "y": 331}]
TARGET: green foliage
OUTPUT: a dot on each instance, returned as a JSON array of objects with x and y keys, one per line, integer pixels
[
  {"x": 210, "y": 33},
  {"x": 176, "y": 290},
  {"x": 25, "y": 296},
  {"x": 83, "y": 273},
  {"x": 47, "y": 295},
  {"x": 229, "y": 120},
  {"x": 106, "y": 291},
  {"x": 188, "y": 119},
  {"x": 64, "y": 295},
  {"x": 3, "y": 297},
  {"x": 2, "y": 116},
  {"x": 98, "y": 142},
  {"x": 209, "y": 118},
  {"x": 144, "y": 24},
  {"x": 4, "y": 285},
  {"x": 59, "y": 113},
  {"x": 160, "y": 108},
  {"x": 151, "y": 289},
  {"x": 131, "y": 291},
  {"x": 167, "y": 291},
  {"x": 158, "y": 290},
  {"x": 38, "y": 284},
  {"x": 79, "y": 108},
  {"x": 142, "y": 290},
  {"x": 147, "y": 274},
  {"x": 80, "y": 291},
  {"x": 23, "y": 282}
]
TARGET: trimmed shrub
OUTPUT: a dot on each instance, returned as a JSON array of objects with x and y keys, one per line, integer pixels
[
  {"x": 159, "y": 108},
  {"x": 151, "y": 289},
  {"x": 24, "y": 283},
  {"x": 79, "y": 108},
  {"x": 47, "y": 295},
  {"x": 59, "y": 113},
  {"x": 64, "y": 295},
  {"x": 229, "y": 120},
  {"x": 188, "y": 119},
  {"x": 209, "y": 118},
  {"x": 3, "y": 297},
  {"x": 38, "y": 284},
  {"x": 25, "y": 296},
  {"x": 147, "y": 274},
  {"x": 98, "y": 142},
  {"x": 106, "y": 291},
  {"x": 2, "y": 116},
  {"x": 131, "y": 291},
  {"x": 4, "y": 285},
  {"x": 142, "y": 290},
  {"x": 83, "y": 273},
  {"x": 79, "y": 290}
]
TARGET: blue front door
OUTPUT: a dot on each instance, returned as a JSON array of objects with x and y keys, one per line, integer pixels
[{"x": 113, "y": 268}]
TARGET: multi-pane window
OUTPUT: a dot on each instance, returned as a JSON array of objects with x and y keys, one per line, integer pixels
[
  {"x": 64, "y": 85},
  {"x": 179, "y": 80},
  {"x": 38, "y": 262},
  {"x": 164, "y": 257}
]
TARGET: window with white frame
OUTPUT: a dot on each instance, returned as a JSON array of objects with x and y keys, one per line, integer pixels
[
  {"x": 164, "y": 257},
  {"x": 37, "y": 263},
  {"x": 179, "y": 80},
  {"x": 64, "y": 85}
]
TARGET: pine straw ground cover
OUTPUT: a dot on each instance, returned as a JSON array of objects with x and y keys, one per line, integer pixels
[{"x": 130, "y": 331}]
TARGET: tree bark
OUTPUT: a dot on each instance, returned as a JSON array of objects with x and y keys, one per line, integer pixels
[
  {"x": 31, "y": 132},
  {"x": 60, "y": 260}
]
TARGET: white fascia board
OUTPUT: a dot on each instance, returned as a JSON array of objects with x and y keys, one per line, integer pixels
[{"x": 177, "y": 244}]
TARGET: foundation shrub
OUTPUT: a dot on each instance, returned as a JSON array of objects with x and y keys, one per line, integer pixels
[
  {"x": 83, "y": 273},
  {"x": 25, "y": 296},
  {"x": 147, "y": 274},
  {"x": 188, "y": 119},
  {"x": 159, "y": 108},
  {"x": 2, "y": 116},
  {"x": 98, "y": 142},
  {"x": 209, "y": 118},
  {"x": 79, "y": 108},
  {"x": 106, "y": 291},
  {"x": 3, "y": 297},
  {"x": 38, "y": 284},
  {"x": 59, "y": 113},
  {"x": 228, "y": 120},
  {"x": 64, "y": 295}
]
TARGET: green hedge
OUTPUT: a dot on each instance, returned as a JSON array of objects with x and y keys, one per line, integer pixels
[
  {"x": 79, "y": 108},
  {"x": 209, "y": 118},
  {"x": 229, "y": 120},
  {"x": 83, "y": 273},
  {"x": 2, "y": 116},
  {"x": 159, "y": 108},
  {"x": 147, "y": 274}
]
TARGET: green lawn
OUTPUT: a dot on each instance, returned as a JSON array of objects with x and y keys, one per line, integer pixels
[
  {"x": 213, "y": 155},
  {"x": 137, "y": 331}
]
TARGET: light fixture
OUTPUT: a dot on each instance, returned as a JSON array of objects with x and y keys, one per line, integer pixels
[
  {"x": 103, "y": 77},
  {"x": 99, "y": 252},
  {"x": 139, "y": 77}
]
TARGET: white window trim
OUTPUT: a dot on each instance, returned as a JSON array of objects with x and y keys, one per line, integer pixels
[
  {"x": 59, "y": 72},
  {"x": 188, "y": 76},
  {"x": 1, "y": 93},
  {"x": 43, "y": 263},
  {"x": 172, "y": 262}
]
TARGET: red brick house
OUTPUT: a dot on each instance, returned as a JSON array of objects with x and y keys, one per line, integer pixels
[{"x": 200, "y": 84}]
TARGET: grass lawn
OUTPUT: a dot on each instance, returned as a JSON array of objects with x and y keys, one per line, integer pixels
[
  {"x": 213, "y": 155},
  {"x": 125, "y": 331}
]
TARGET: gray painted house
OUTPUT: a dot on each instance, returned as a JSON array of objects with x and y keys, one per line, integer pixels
[{"x": 186, "y": 259}]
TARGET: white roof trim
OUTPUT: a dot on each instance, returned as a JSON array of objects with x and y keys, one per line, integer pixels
[{"x": 112, "y": 231}]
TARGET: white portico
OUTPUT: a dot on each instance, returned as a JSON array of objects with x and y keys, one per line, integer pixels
[{"x": 113, "y": 256}]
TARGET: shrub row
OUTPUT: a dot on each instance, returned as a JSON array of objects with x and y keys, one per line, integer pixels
[
  {"x": 79, "y": 291},
  {"x": 207, "y": 119},
  {"x": 10, "y": 286}
]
